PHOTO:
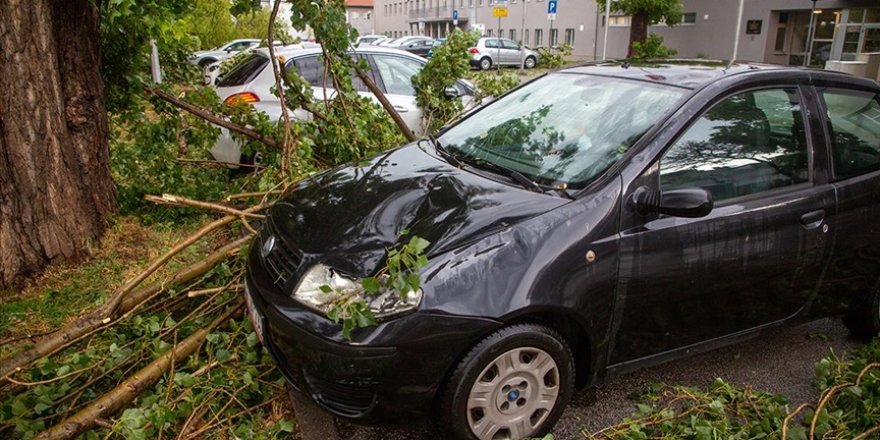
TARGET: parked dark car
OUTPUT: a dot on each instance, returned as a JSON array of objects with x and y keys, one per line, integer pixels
[
  {"x": 418, "y": 46},
  {"x": 595, "y": 220}
]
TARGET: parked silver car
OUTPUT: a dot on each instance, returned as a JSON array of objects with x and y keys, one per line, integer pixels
[
  {"x": 203, "y": 58},
  {"x": 491, "y": 52}
]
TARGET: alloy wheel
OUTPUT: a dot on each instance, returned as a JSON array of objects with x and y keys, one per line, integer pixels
[{"x": 513, "y": 395}]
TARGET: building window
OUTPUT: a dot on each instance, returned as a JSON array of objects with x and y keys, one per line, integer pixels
[
  {"x": 525, "y": 40},
  {"x": 689, "y": 18},
  {"x": 619, "y": 20},
  {"x": 539, "y": 37},
  {"x": 554, "y": 34},
  {"x": 512, "y": 34},
  {"x": 781, "y": 32},
  {"x": 489, "y": 33},
  {"x": 569, "y": 36}
]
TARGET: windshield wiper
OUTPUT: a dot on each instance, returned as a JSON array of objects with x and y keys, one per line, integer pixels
[
  {"x": 519, "y": 178},
  {"x": 448, "y": 155}
]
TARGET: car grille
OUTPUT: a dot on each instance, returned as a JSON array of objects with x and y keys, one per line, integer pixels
[
  {"x": 283, "y": 260},
  {"x": 346, "y": 399}
]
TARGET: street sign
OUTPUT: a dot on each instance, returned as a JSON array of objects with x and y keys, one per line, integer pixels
[
  {"x": 421, "y": 26},
  {"x": 551, "y": 7},
  {"x": 551, "y": 16},
  {"x": 499, "y": 11},
  {"x": 455, "y": 17}
]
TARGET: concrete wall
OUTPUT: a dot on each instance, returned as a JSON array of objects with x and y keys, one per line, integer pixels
[{"x": 361, "y": 18}]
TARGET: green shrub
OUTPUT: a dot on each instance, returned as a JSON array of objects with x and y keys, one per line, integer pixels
[
  {"x": 652, "y": 48},
  {"x": 554, "y": 57},
  {"x": 493, "y": 84}
]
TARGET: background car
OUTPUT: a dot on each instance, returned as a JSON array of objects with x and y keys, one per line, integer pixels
[
  {"x": 391, "y": 69},
  {"x": 491, "y": 52},
  {"x": 436, "y": 44},
  {"x": 596, "y": 220},
  {"x": 419, "y": 46},
  {"x": 370, "y": 39},
  {"x": 203, "y": 58}
]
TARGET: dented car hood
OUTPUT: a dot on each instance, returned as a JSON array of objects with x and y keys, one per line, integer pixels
[{"x": 348, "y": 217}]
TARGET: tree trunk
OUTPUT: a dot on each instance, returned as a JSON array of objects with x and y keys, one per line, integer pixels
[
  {"x": 638, "y": 31},
  {"x": 56, "y": 190}
]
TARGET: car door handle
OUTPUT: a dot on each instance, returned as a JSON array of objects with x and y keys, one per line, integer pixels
[
  {"x": 400, "y": 109},
  {"x": 813, "y": 219}
]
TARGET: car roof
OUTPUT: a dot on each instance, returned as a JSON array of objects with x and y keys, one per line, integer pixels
[
  {"x": 689, "y": 74},
  {"x": 297, "y": 50}
]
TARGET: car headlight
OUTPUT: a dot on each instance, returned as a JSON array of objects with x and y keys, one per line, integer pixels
[{"x": 384, "y": 304}]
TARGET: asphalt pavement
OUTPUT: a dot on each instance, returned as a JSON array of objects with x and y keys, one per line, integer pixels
[{"x": 779, "y": 361}]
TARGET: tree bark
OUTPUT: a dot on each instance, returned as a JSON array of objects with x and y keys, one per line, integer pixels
[
  {"x": 56, "y": 190},
  {"x": 638, "y": 31}
]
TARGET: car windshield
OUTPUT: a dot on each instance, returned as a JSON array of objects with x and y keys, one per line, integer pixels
[{"x": 563, "y": 128}]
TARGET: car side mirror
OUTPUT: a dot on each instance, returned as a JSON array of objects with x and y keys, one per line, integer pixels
[
  {"x": 685, "y": 202},
  {"x": 451, "y": 92}
]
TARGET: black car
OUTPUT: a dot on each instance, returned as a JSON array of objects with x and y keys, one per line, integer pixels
[
  {"x": 418, "y": 46},
  {"x": 595, "y": 220}
]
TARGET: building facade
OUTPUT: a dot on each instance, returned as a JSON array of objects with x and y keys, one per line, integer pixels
[
  {"x": 359, "y": 14},
  {"x": 772, "y": 31}
]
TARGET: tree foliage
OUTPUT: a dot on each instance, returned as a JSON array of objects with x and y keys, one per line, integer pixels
[
  {"x": 644, "y": 13},
  {"x": 449, "y": 62}
]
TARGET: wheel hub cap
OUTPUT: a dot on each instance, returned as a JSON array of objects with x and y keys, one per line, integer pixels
[{"x": 513, "y": 395}]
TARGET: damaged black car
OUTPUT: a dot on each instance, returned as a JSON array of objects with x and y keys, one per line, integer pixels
[{"x": 595, "y": 220}]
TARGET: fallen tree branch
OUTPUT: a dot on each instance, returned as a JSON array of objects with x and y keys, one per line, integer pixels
[
  {"x": 218, "y": 163},
  {"x": 387, "y": 104},
  {"x": 169, "y": 199},
  {"x": 85, "y": 325},
  {"x": 210, "y": 117},
  {"x": 125, "y": 393},
  {"x": 286, "y": 147}
]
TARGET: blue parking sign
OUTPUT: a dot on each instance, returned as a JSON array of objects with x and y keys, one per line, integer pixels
[
  {"x": 551, "y": 7},
  {"x": 455, "y": 14}
]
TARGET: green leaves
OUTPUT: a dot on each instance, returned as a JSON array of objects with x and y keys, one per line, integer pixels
[{"x": 449, "y": 62}]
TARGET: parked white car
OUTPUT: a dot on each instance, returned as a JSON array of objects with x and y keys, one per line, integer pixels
[
  {"x": 371, "y": 39},
  {"x": 203, "y": 58},
  {"x": 391, "y": 69}
]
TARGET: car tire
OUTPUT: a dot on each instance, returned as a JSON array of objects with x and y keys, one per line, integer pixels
[
  {"x": 864, "y": 321},
  {"x": 485, "y": 63},
  {"x": 493, "y": 391},
  {"x": 531, "y": 62}
]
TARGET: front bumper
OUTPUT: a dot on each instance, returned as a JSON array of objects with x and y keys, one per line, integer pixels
[{"x": 391, "y": 370}]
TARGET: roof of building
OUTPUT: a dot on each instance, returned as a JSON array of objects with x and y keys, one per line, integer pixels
[{"x": 359, "y": 3}]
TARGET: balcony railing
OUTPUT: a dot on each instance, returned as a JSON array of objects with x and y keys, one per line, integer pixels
[{"x": 436, "y": 13}]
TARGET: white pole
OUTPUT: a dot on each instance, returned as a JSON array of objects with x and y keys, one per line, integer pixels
[
  {"x": 607, "y": 24},
  {"x": 739, "y": 21},
  {"x": 810, "y": 32},
  {"x": 522, "y": 33},
  {"x": 155, "y": 70}
]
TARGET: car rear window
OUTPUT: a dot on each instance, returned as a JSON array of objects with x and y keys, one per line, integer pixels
[{"x": 244, "y": 72}]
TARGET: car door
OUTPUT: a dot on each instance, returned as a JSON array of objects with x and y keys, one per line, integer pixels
[
  {"x": 395, "y": 74},
  {"x": 494, "y": 50},
  {"x": 510, "y": 52},
  {"x": 852, "y": 118},
  {"x": 755, "y": 259}
]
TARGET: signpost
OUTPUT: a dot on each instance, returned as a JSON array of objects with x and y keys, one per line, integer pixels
[
  {"x": 500, "y": 11},
  {"x": 455, "y": 17},
  {"x": 551, "y": 15}
]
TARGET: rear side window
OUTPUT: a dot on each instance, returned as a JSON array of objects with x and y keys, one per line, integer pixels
[
  {"x": 746, "y": 144},
  {"x": 244, "y": 72},
  {"x": 854, "y": 127},
  {"x": 311, "y": 68},
  {"x": 492, "y": 43}
]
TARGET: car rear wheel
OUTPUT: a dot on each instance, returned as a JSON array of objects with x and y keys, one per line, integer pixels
[
  {"x": 486, "y": 63},
  {"x": 514, "y": 384},
  {"x": 864, "y": 321},
  {"x": 530, "y": 62}
]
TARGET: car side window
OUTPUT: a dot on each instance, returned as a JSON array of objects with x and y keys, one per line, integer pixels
[
  {"x": 745, "y": 144},
  {"x": 854, "y": 128},
  {"x": 492, "y": 43},
  {"x": 397, "y": 73},
  {"x": 507, "y": 44},
  {"x": 311, "y": 68}
]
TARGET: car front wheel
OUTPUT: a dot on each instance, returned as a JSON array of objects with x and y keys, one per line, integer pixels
[
  {"x": 513, "y": 384},
  {"x": 530, "y": 63}
]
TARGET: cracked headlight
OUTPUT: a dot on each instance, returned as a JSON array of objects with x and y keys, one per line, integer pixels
[{"x": 384, "y": 304}]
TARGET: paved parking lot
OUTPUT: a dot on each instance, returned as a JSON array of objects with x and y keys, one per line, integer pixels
[{"x": 780, "y": 361}]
